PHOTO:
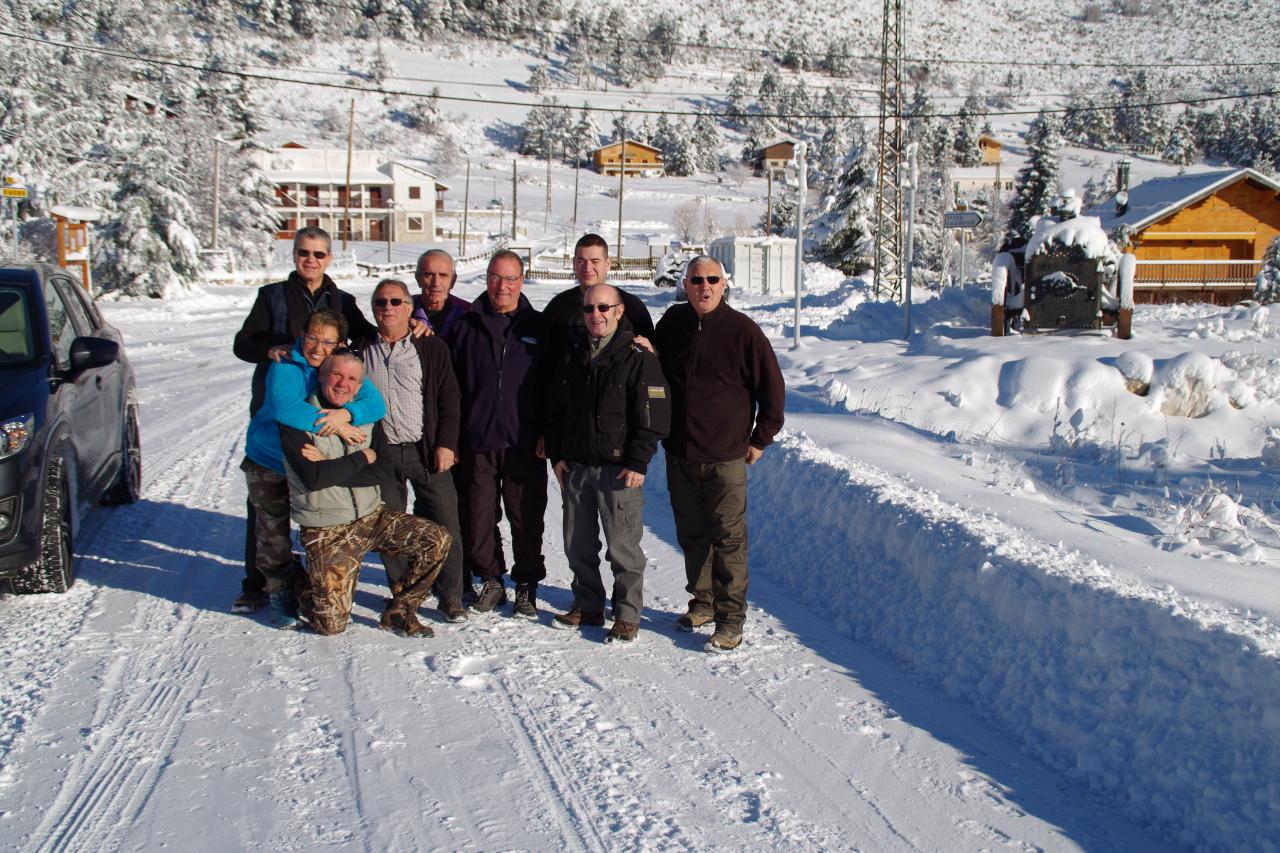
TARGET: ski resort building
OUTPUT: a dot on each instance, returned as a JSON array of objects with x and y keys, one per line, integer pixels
[
  {"x": 643, "y": 160},
  {"x": 390, "y": 198},
  {"x": 1196, "y": 237}
]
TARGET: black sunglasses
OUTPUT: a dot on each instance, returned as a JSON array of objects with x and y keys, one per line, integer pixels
[
  {"x": 699, "y": 279},
  {"x": 308, "y": 253},
  {"x": 383, "y": 302},
  {"x": 602, "y": 308}
]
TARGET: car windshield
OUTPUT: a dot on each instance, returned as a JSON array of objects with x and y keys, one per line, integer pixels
[{"x": 17, "y": 345}]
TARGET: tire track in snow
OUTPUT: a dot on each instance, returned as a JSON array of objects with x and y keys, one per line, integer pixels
[{"x": 158, "y": 668}]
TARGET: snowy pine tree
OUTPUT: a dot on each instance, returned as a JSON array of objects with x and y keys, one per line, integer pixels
[
  {"x": 148, "y": 248},
  {"x": 1037, "y": 181},
  {"x": 538, "y": 79},
  {"x": 585, "y": 137},
  {"x": 849, "y": 205},
  {"x": 683, "y": 157},
  {"x": 1181, "y": 146},
  {"x": 1267, "y": 288},
  {"x": 707, "y": 142},
  {"x": 964, "y": 136}
]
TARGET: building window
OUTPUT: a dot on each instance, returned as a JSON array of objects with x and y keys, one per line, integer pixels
[
  {"x": 415, "y": 193},
  {"x": 414, "y": 223}
]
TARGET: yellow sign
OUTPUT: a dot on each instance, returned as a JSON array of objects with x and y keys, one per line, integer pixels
[{"x": 14, "y": 192}]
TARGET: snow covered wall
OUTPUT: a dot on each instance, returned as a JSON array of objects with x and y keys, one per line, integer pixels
[{"x": 1168, "y": 708}]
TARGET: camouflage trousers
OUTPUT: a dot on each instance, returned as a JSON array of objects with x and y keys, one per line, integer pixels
[
  {"x": 334, "y": 555},
  {"x": 273, "y": 549}
]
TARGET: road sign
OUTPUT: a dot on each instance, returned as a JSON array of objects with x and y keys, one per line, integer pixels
[
  {"x": 961, "y": 219},
  {"x": 14, "y": 192}
]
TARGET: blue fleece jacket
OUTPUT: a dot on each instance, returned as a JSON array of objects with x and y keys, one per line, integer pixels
[{"x": 289, "y": 383}]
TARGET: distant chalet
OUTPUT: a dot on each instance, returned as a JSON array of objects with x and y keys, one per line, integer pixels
[
  {"x": 642, "y": 160},
  {"x": 1197, "y": 237},
  {"x": 774, "y": 157},
  {"x": 391, "y": 198}
]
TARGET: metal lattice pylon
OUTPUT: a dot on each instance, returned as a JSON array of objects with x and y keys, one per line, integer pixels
[{"x": 890, "y": 246}]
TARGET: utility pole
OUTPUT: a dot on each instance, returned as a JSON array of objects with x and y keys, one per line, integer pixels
[
  {"x": 768, "y": 205},
  {"x": 622, "y": 179},
  {"x": 217, "y": 186},
  {"x": 351, "y": 135},
  {"x": 513, "y": 199},
  {"x": 911, "y": 180},
  {"x": 577, "y": 165},
  {"x": 889, "y": 151},
  {"x": 546, "y": 213},
  {"x": 803, "y": 170},
  {"x": 466, "y": 205}
]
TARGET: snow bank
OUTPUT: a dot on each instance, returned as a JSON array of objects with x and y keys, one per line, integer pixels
[{"x": 1167, "y": 707}]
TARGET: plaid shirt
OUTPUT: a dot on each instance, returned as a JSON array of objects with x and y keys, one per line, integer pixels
[{"x": 396, "y": 371}]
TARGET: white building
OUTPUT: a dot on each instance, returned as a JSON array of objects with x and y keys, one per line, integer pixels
[
  {"x": 758, "y": 264},
  {"x": 390, "y": 198}
]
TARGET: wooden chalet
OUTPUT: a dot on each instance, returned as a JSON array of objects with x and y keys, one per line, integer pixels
[
  {"x": 773, "y": 158},
  {"x": 643, "y": 160},
  {"x": 1197, "y": 237},
  {"x": 991, "y": 149}
]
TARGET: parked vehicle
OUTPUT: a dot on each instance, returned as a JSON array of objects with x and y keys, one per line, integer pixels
[{"x": 68, "y": 423}]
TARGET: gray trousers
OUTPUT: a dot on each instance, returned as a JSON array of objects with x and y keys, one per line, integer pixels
[
  {"x": 709, "y": 502},
  {"x": 435, "y": 499},
  {"x": 594, "y": 497}
]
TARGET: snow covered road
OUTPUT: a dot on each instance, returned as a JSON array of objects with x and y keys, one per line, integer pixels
[{"x": 136, "y": 713}]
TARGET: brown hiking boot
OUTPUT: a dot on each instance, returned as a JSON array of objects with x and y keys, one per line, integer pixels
[
  {"x": 575, "y": 618},
  {"x": 725, "y": 639},
  {"x": 397, "y": 621},
  {"x": 453, "y": 611},
  {"x": 692, "y": 620},
  {"x": 622, "y": 632}
]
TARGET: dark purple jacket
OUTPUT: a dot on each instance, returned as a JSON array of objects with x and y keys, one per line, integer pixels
[
  {"x": 454, "y": 307},
  {"x": 501, "y": 368}
]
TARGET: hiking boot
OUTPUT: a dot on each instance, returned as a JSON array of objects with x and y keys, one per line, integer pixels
[
  {"x": 491, "y": 595},
  {"x": 403, "y": 624},
  {"x": 284, "y": 610},
  {"x": 692, "y": 620},
  {"x": 575, "y": 618},
  {"x": 453, "y": 611},
  {"x": 249, "y": 601},
  {"x": 525, "y": 605},
  {"x": 622, "y": 632},
  {"x": 470, "y": 593},
  {"x": 725, "y": 639}
]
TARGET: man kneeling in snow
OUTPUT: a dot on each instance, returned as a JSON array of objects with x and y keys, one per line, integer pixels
[{"x": 336, "y": 501}]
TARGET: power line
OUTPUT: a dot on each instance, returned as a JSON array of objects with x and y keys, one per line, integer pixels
[{"x": 381, "y": 91}]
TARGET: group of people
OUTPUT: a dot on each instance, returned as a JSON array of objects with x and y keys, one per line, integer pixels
[{"x": 469, "y": 404}]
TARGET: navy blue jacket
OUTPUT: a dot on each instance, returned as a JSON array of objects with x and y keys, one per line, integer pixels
[{"x": 501, "y": 365}]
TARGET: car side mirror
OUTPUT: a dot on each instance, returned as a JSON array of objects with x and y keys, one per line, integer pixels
[{"x": 89, "y": 352}]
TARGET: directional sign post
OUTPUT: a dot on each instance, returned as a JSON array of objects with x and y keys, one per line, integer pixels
[
  {"x": 13, "y": 193},
  {"x": 964, "y": 220}
]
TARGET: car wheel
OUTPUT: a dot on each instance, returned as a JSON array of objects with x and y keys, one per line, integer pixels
[
  {"x": 55, "y": 571},
  {"x": 127, "y": 486}
]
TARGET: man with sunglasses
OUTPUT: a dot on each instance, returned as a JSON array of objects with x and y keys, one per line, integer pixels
[
  {"x": 591, "y": 266},
  {"x": 276, "y": 320},
  {"x": 607, "y": 409},
  {"x": 727, "y": 400},
  {"x": 416, "y": 378},
  {"x": 498, "y": 355}
]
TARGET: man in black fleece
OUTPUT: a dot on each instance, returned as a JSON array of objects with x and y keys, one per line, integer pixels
[{"x": 727, "y": 400}]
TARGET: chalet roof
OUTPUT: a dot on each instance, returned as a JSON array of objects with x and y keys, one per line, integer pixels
[
  {"x": 630, "y": 143},
  {"x": 781, "y": 141},
  {"x": 1153, "y": 200},
  {"x": 990, "y": 140},
  {"x": 419, "y": 166}
]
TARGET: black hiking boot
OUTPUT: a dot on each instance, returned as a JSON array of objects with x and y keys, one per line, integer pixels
[
  {"x": 525, "y": 605},
  {"x": 491, "y": 595}
]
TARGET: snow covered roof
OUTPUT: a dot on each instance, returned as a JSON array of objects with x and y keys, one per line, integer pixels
[
  {"x": 419, "y": 166},
  {"x": 1151, "y": 201}
]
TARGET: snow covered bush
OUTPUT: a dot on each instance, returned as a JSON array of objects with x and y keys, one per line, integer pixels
[{"x": 1267, "y": 287}]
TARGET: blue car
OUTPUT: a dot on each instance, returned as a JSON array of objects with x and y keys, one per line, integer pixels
[{"x": 68, "y": 423}]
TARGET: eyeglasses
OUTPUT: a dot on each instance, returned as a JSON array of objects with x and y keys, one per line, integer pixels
[
  {"x": 505, "y": 279},
  {"x": 319, "y": 342},
  {"x": 699, "y": 279},
  {"x": 602, "y": 308},
  {"x": 393, "y": 301},
  {"x": 309, "y": 253}
]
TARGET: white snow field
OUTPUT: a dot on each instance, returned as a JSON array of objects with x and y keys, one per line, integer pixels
[{"x": 969, "y": 630}]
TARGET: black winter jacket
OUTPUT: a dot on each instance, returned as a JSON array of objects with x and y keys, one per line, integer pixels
[
  {"x": 500, "y": 362},
  {"x": 611, "y": 409},
  {"x": 279, "y": 316},
  {"x": 441, "y": 405}
]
